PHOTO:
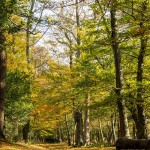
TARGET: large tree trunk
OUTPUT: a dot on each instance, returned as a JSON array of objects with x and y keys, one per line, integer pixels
[
  {"x": 2, "y": 82},
  {"x": 141, "y": 126},
  {"x": 124, "y": 130},
  {"x": 78, "y": 128},
  {"x": 86, "y": 121}
]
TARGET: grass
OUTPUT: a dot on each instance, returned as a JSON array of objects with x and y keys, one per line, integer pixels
[{"x": 44, "y": 146}]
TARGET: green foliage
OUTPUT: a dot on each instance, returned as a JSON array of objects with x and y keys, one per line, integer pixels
[
  {"x": 59, "y": 87},
  {"x": 18, "y": 103}
]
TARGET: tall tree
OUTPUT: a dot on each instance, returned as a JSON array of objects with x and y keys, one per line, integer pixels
[
  {"x": 141, "y": 23},
  {"x": 2, "y": 81},
  {"x": 124, "y": 130},
  {"x": 141, "y": 122},
  {"x": 3, "y": 17},
  {"x": 78, "y": 111}
]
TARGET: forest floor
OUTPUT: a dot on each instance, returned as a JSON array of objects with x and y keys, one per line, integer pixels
[{"x": 43, "y": 146}]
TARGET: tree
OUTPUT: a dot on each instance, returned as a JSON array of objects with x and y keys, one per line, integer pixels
[
  {"x": 2, "y": 82},
  {"x": 124, "y": 130},
  {"x": 4, "y": 16},
  {"x": 139, "y": 117},
  {"x": 137, "y": 28}
]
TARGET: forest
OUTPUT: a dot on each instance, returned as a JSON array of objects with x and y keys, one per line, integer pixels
[{"x": 74, "y": 71}]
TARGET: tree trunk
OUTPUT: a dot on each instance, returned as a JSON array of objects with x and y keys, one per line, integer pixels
[
  {"x": 113, "y": 122},
  {"x": 86, "y": 121},
  {"x": 26, "y": 129},
  {"x": 78, "y": 26},
  {"x": 78, "y": 112},
  {"x": 109, "y": 133},
  {"x": 28, "y": 26},
  {"x": 137, "y": 111},
  {"x": 141, "y": 126},
  {"x": 101, "y": 136},
  {"x": 134, "y": 131},
  {"x": 68, "y": 131},
  {"x": 2, "y": 82},
  {"x": 78, "y": 128},
  {"x": 59, "y": 135},
  {"x": 124, "y": 130}
]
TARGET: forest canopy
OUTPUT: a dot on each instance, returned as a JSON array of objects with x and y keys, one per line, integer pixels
[{"x": 75, "y": 71}]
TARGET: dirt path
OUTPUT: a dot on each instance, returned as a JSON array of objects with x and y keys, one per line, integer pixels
[{"x": 22, "y": 146}]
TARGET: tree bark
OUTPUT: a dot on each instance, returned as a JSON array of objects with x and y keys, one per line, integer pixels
[
  {"x": 113, "y": 127},
  {"x": 124, "y": 130},
  {"x": 26, "y": 129},
  {"x": 141, "y": 126},
  {"x": 100, "y": 131},
  {"x": 137, "y": 110},
  {"x": 78, "y": 26},
  {"x": 68, "y": 131},
  {"x": 86, "y": 121},
  {"x": 134, "y": 131},
  {"x": 28, "y": 25},
  {"x": 2, "y": 82},
  {"x": 78, "y": 128},
  {"x": 77, "y": 111},
  {"x": 3, "y": 18}
]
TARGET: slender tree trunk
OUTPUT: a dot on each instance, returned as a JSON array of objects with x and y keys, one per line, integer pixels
[
  {"x": 77, "y": 111},
  {"x": 61, "y": 134},
  {"x": 124, "y": 130},
  {"x": 28, "y": 26},
  {"x": 29, "y": 17},
  {"x": 58, "y": 135},
  {"x": 68, "y": 131},
  {"x": 3, "y": 18},
  {"x": 113, "y": 122},
  {"x": 86, "y": 121},
  {"x": 109, "y": 133},
  {"x": 101, "y": 136},
  {"x": 2, "y": 82},
  {"x": 134, "y": 131},
  {"x": 78, "y": 26}
]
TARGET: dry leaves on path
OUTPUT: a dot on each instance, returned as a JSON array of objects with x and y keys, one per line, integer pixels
[{"x": 43, "y": 146}]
